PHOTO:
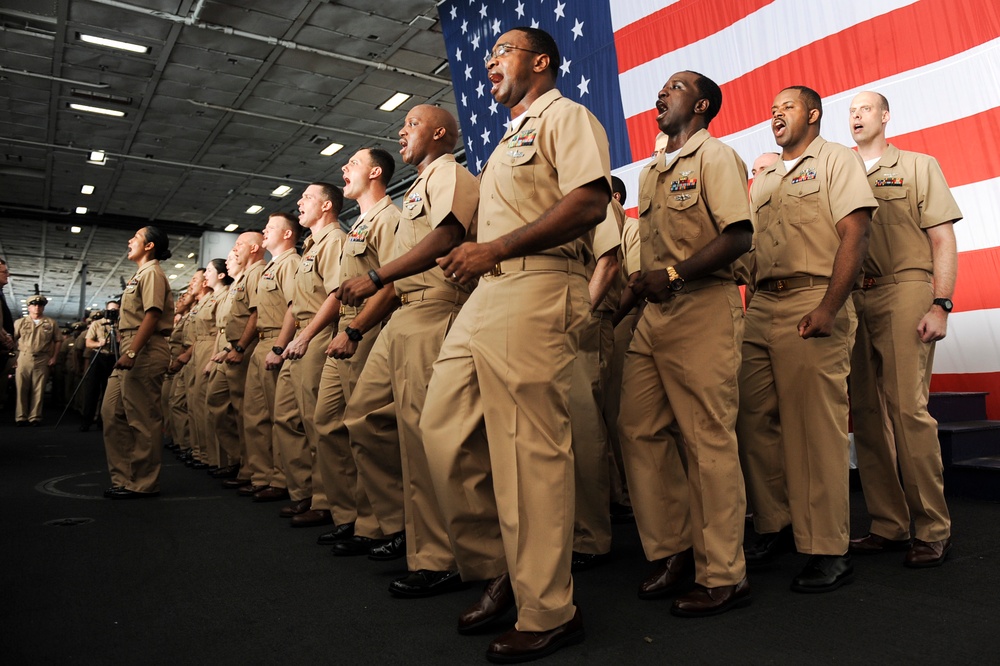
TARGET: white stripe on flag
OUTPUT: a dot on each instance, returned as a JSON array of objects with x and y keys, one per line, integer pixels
[
  {"x": 624, "y": 12},
  {"x": 972, "y": 345}
]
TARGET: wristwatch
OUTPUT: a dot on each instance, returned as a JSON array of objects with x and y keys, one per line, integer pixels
[
  {"x": 238, "y": 348},
  {"x": 278, "y": 350},
  {"x": 130, "y": 353},
  {"x": 944, "y": 303},
  {"x": 353, "y": 334},
  {"x": 676, "y": 281}
]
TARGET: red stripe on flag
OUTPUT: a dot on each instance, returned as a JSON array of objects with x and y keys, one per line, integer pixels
[
  {"x": 927, "y": 32},
  {"x": 671, "y": 28},
  {"x": 978, "y": 285},
  {"x": 960, "y": 167},
  {"x": 973, "y": 382}
]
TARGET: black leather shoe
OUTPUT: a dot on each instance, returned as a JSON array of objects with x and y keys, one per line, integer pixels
[
  {"x": 250, "y": 490},
  {"x": 338, "y": 533},
  {"x": 870, "y": 544},
  {"x": 296, "y": 508},
  {"x": 227, "y": 472},
  {"x": 706, "y": 601},
  {"x": 925, "y": 554},
  {"x": 393, "y": 548},
  {"x": 824, "y": 573},
  {"x": 356, "y": 545},
  {"x": 670, "y": 574},
  {"x": 271, "y": 494},
  {"x": 233, "y": 484},
  {"x": 125, "y": 493},
  {"x": 517, "y": 646},
  {"x": 584, "y": 561},
  {"x": 112, "y": 490},
  {"x": 425, "y": 583},
  {"x": 497, "y": 599},
  {"x": 769, "y": 547}
]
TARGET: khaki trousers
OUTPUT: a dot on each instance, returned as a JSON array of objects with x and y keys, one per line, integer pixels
[
  {"x": 612, "y": 404},
  {"x": 258, "y": 411},
  {"x": 132, "y": 420},
  {"x": 401, "y": 362},
  {"x": 792, "y": 424},
  {"x": 336, "y": 485},
  {"x": 178, "y": 408},
  {"x": 225, "y": 409},
  {"x": 890, "y": 378},
  {"x": 592, "y": 524},
  {"x": 507, "y": 363},
  {"x": 168, "y": 418},
  {"x": 204, "y": 443},
  {"x": 294, "y": 429},
  {"x": 682, "y": 368},
  {"x": 31, "y": 374}
]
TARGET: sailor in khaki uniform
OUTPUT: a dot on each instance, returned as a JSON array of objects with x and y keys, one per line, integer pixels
[
  {"x": 902, "y": 309},
  {"x": 99, "y": 341},
  {"x": 340, "y": 493},
  {"x": 131, "y": 409},
  {"x": 685, "y": 356},
  {"x": 439, "y": 211},
  {"x": 181, "y": 367},
  {"x": 205, "y": 330},
  {"x": 38, "y": 340},
  {"x": 309, "y": 317},
  {"x": 506, "y": 363},
  {"x": 269, "y": 301},
  {"x": 173, "y": 427},
  {"x": 811, "y": 212}
]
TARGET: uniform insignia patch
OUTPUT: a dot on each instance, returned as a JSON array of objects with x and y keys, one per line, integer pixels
[
  {"x": 522, "y": 138},
  {"x": 804, "y": 175},
  {"x": 359, "y": 233},
  {"x": 682, "y": 197},
  {"x": 889, "y": 180}
]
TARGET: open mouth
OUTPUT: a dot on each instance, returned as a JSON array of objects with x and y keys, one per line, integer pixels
[
  {"x": 661, "y": 110},
  {"x": 778, "y": 127},
  {"x": 495, "y": 79},
  {"x": 857, "y": 127}
]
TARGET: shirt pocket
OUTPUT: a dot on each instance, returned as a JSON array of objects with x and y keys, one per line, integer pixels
[
  {"x": 890, "y": 200},
  {"x": 515, "y": 170},
  {"x": 269, "y": 285},
  {"x": 684, "y": 219},
  {"x": 803, "y": 203}
]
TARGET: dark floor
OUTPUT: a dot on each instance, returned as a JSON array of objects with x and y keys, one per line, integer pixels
[{"x": 200, "y": 576}]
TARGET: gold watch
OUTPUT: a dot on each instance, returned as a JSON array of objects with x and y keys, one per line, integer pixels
[
  {"x": 130, "y": 353},
  {"x": 676, "y": 281}
]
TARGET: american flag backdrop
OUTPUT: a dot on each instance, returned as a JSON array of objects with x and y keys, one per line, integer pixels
[{"x": 937, "y": 61}]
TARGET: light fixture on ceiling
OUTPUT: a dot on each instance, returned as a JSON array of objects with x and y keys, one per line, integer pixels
[
  {"x": 172, "y": 277},
  {"x": 280, "y": 191},
  {"x": 394, "y": 102},
  {"x": 100, "y": 110},
  {"x": 254, "y": 209},
  {"x": 98, "y": 157},
  {"x": 331, "y": 149},
  {"x": 81, "y": 210},
  {"x": 113, "y": 43},
  {"x": 178, "y": 265},
  {"x": 232, "y": 227},
  {"x": 87, "y": 189},
  {"x": 190, "y": 255},
  {"x": 76, "y": 230}
]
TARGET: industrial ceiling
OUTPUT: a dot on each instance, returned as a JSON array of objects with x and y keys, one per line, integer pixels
[{"x": 231, "y": 99}]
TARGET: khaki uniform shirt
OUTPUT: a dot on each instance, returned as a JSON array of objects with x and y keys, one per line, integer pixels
[
  {"x": 234, "y": 310},
  {"x": 444, "y": 188},
  {"x": 369, "y": 244},
  {"x": 607, "y": 237},
  {"x": 796, "y": 214},
  {"x": 176, "y": 339},
  {"x": 318, "y": 274},
  {"x": 913, "y": 196},
  {"x": 687, "y": 204},
  {"x": 147, "y": 289},
  {"x": 558, "y": 146},
  {"x": 275, "y": 290},
  {"x": 98, "y": 330},
  {"x": 631, "y": 261},
  {"x": 203, "y": 319},
  {"x": 38, "y": 338}
]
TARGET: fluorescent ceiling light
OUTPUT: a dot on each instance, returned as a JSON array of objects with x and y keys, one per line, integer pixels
[
  {"x": 114, "y": 44},
  {"x": 96, "y": 109},
  {"x": 280, "y": 191},
  {"x": 190, "y": 255},
  {"x": 172, "y": 277},
  {"x": 232, "y": 227},
  {"x": 178, "y": 265},
  {"x": 331, "y": 149},
  {"x": 76, "y": 230},
  {"x": 98, "y": 157},
  {"x": 81, "y": 210},
  {"x": 394, "y": 102},
  {"x": 87, "y": 189},
  {"x": 254, "y": 209}
]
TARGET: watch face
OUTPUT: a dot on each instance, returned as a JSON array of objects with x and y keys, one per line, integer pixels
[{"x": 677, "y": 284}]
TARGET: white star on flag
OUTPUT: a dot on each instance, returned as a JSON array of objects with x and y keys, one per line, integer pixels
[
  {"x": 479, "y": 89},
  {"x": 577, "y": 29},
  {"x": 486, "y": 136},
  {"x": 454, "y": 12},
  {"x": 482, "y": 11},
  {"x": 468, "y": 72},
  {"x": 534, "y": 23},
  {"x": 458, "y": 55},
  {"x": 564, "y": 67},
  {"x": 493, "y": 108},
  {"x": 473, "y": 118},
  {"x": 559, "y": 10},
  {"x": 583, "y": 86},
  {"x": 496, "y": 27},
  {"x": 475, "y": 41},
  {"x": 465, "y": 27},
  {"x": 519, "y": 9},
  {"x": 479, "y": 165},
  {"x": 465, "y": 100}
]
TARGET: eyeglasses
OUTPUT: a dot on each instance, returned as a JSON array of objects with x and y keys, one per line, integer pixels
[{"x": 503, "y": 49}]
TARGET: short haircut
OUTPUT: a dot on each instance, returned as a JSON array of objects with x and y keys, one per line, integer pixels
[
  {"x": 160, "y": 241},
  {"x": 542, "y": 42},
  {"x": 291, "y": 222},
  {"x": 618, "y": 187},
  {"x": 810, "y": 97},
  {"x": 709, "y": 90},
  {"x": 381, "y": 157},
  {"x": 333, "y": 194},
  {"x": 883, "y": 102}
]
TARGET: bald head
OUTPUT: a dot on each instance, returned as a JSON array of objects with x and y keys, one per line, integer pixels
[{"x": 427, "y": 133}]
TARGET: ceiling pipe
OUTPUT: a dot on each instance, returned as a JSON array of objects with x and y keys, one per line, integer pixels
[
  {"x": 301, "y": 123},
  {"x": 22, "y": 72},
  {"x": 274, "y": 41}
]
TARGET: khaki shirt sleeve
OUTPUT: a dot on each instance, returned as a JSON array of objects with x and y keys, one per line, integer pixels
[
  {"x": 382, "y": 235},
  {"x": 575, "y": 143},
  {"x": 630, "y": 246},
  {"x": 154, "y": 292},
  {"x": 452, "y": 190},
  {"x": 329, "y": 262},
  {"x": 607, "y": 235},
  {"x": 849, "y": 189},
  {"x": 725, "y": 178},
  {"x": 57, "y": 335},
  {"x": 937, "y": 204}
]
